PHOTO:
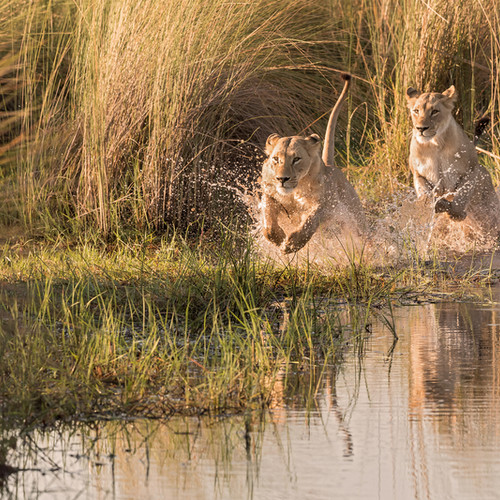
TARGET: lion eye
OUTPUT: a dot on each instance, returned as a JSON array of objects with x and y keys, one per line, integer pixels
[
  {"x": 415, "y": 111},
  {"x": 434, "y": 112},
  {"x": 296, "y": 159},
  {"x": 275, "y": 159}
]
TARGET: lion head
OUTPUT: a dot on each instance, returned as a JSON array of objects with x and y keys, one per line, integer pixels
[
  {"x": 290, "y": 159},
  {"x": 430, "y": 112}
]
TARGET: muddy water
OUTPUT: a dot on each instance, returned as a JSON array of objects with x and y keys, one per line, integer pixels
[{"x": 418, "y": 420}]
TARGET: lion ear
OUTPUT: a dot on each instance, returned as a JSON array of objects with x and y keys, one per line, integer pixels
[
  {"x": 412, "y": 93},
  {"x": 313, "y": 141},
  {"x": 271, "y": 142},
  {"x": 451, "y": 93}
]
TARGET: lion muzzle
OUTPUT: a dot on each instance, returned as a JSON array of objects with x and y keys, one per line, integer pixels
[{"x": 282, "y": 180}]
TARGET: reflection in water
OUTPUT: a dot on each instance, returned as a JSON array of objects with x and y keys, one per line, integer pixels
[
  {"x": 454, "y": 398},
  {"x": 422, "y": 423}
]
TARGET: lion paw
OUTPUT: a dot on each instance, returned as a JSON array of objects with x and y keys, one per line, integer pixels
[
  {"x": 458, "y": 215},
  {"x": 442, "y": 205},
  {"x": 275, "y": 235},
  {"x": 455, "y": 213},
  {"x": 294, "y": 243}
]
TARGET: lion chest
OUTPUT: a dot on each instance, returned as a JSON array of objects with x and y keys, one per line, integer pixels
[
  {"x": 440, "y": 169},
  {"x": 298, "y": 203},
  {"x": 297, "y": 206}
]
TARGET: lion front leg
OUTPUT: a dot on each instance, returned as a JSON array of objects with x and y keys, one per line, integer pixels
[
  {"x": 271, "y": 228},
  {"x": 456, "y": 208},
  {"x": 298, "y": 239},
  {"x": 422, "y": 186}
]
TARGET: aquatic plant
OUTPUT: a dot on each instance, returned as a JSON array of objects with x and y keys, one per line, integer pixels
[{"x": 89, "y": 333}]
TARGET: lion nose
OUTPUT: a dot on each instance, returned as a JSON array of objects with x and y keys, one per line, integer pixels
[
  {"x": 422, "y": 129},
  {"x": 282, "y": 180}
]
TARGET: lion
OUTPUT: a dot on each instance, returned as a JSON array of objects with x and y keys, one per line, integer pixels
[
  {"x": 445, "y": 166},
  {"x": 303, "y": 186}
]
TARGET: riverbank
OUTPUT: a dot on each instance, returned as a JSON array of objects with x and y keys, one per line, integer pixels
[{"x": 164, "y": 326}]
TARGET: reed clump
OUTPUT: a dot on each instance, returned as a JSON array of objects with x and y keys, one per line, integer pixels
[{"x": 139, "y": 114}]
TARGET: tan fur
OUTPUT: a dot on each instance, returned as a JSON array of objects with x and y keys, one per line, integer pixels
[
  {"x": 296, "y": 183},
  {"x": 445, "y": 166}
]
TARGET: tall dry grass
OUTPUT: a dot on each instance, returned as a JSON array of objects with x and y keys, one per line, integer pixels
[
  {"x": 144, "y": 104},
  {"x": 10, "y": 113},
  {"x": 147, "y": 114}
]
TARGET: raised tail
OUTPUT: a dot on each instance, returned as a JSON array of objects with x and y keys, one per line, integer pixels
[
  {"x": 481, "y": 124},
  {"x": 329, "y": 146}
]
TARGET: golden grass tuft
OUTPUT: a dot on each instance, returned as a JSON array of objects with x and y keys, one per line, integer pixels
[{"x": 147, "y": 114}]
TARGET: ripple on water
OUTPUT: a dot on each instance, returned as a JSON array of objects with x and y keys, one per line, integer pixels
[{"x": 420, "y": 423}]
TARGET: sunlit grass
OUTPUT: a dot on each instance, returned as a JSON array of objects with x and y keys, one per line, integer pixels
[{"x": 135, "y": 112}]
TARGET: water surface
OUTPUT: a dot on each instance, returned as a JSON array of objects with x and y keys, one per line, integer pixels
[{"x": 416, "y": 420}]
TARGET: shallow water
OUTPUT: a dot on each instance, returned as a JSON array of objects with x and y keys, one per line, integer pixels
[
  {"x": 420, "y": 420},
  {"x": 405, "y": 228}
]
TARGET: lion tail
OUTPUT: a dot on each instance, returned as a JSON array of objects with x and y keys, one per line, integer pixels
[{"x": 329, "y": 147}]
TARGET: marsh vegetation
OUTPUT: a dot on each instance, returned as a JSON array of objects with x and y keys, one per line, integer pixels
[{"x": 132, "y": 137}]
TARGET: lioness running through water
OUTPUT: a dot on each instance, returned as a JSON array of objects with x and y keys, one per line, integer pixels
[
  {"x": 306, "y": 188},
  {"x": 444, "y": 163}
]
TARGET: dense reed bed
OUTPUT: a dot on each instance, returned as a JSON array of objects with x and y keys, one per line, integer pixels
[{"x": 140, "y": 114}]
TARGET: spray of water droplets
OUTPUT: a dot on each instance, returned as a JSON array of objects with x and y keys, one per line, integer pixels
[{"x": 404, "y": 229}]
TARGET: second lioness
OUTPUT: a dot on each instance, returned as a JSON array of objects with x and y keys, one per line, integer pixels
[
  {"x": 445, "y": 166},
  {"x": 306, "y": 188}
]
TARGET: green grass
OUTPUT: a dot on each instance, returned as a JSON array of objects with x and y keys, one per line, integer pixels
[
  {"x": 166, "y": 327},
  {"x": 89, "y": 334}
]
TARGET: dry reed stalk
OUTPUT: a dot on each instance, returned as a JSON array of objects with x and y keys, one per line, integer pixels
[{"x": 136, "y": 109}]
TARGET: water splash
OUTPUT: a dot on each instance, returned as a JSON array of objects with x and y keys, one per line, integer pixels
[{"x": 405, "y": 230}]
